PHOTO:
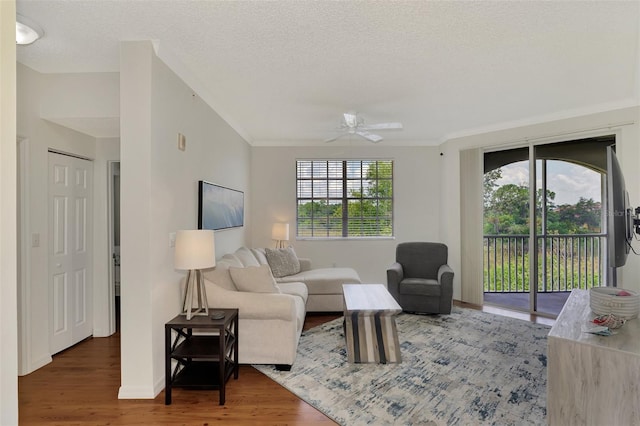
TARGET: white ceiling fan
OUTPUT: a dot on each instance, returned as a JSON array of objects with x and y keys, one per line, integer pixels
[{"x": 352, "y": 124}]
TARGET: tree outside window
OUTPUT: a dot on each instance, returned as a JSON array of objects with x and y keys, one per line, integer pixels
[{"x": 344, "y": 198}]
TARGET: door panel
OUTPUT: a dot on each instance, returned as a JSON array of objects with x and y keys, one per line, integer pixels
[
  {"x": 70, "y": 254},
  {"x": 59, "y": 304},
  {"x": 81, "y": 229},
  {"x": 59, "y": 229},
  {"x": 80, "y": 308}
]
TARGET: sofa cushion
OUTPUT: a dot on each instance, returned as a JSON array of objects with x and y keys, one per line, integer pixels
[
  {"x": 260, "y": 256},
  {"x": 254, "y": 279},
  {"x": 305, "y": 264},
  {"x": 324, "y": 280},
  {"x": 246, "y": 257},
  {"x": 295, "y": 289},
  {"x": 230, "y": 257},
  {"x": 300, "y": 291},
  {"x": 283, "y": 262},
  {"x": 220, "y": 274}
]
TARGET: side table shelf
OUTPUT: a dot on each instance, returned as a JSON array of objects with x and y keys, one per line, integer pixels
[{"x": 203, "y": 361}]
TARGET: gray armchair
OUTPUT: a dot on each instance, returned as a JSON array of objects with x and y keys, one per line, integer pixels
[{"x": 420, "y": 279}]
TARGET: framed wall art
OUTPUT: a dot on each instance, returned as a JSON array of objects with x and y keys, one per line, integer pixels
[{"x": 219, "y": 207}]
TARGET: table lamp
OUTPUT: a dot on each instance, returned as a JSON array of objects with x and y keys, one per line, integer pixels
[
  {"x": 280, "y": 233},
  {"x": 195, "y": 250}
]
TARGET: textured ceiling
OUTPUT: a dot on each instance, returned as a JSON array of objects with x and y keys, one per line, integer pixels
[{"x": 283, "y": 72}]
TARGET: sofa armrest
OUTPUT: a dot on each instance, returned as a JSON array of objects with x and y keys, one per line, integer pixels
[
  {"x": 395, "y": 274},
  {"x": 252, "y": 305},
  {"x": 305, "y": 264}
]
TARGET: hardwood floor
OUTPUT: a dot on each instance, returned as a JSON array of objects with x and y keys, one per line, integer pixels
[
  {"x": 538, "y": 319},
  {"x": 80, "y": 387}
]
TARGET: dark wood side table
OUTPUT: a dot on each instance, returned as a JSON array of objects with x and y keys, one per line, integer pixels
[{"x": 203, "y": 361}]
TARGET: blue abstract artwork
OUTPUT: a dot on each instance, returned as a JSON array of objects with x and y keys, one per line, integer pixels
[{"x": 219, "y": 207}]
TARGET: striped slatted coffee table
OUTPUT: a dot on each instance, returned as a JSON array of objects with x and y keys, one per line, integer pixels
[{"x": 370, "y": 325}]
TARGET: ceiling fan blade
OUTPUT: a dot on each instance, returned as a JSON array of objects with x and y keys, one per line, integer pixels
[
  {"x": 382, "y": 126},
  {"x": 370, "y": 136},
  {"x": 350, "y": 119},
  {"x": 334, "y": 138}
]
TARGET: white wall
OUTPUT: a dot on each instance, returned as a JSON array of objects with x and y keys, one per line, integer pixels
[
  {"x": 623, "y": 122},
  {"x": 81, "y": 95},
  {"x": 159, "y": 195},
  {"x": 416, "y": 194},
  {"x": 8, "y": 221},
  {"x": 136, "y": 342}
]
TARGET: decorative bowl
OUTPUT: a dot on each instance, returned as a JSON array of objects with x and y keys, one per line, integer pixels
[{"x": 613, "y": 300}]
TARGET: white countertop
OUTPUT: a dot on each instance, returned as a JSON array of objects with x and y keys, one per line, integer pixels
[{"x": 577, "y": 315}]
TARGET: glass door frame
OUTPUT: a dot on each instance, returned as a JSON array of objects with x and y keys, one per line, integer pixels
[{"x": 534, "y": 233}]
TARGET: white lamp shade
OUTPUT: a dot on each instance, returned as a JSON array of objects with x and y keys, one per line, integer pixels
[
  {"x": 195, "y": 249},
  {"x": 280, "y": 231}
]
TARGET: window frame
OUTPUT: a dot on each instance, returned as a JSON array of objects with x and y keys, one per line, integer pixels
[{"x": 325, "y": 172}]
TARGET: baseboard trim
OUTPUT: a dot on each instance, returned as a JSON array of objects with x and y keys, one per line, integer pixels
[
  {"x": 159, "y": 387},
  {"x": 136, "y": 392},
  {"x": 34, "y": 365}
]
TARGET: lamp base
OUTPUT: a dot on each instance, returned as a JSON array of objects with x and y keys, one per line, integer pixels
[
  {"x": 198, "y": 293},
  {"x": 194, "y": 313}
]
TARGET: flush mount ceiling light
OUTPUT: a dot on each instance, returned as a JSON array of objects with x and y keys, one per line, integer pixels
[{"x": 27, "y": 31}]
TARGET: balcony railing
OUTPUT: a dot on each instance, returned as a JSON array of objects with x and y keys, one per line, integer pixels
[{"x": 565, "y": 262}]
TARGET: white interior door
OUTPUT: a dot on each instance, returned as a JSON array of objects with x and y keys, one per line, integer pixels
[{"x": 70, "y": 254}]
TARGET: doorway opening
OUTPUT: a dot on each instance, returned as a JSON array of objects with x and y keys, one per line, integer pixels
[
  {"x": 534, "y": 257},
  {"x": 114, "y": 239},
  {"x": 70, "y": 249}
]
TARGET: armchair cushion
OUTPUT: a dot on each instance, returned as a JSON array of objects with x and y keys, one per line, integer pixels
[
  {"x": 421, "y": 259},
  {"x": 420, "y": 286}
]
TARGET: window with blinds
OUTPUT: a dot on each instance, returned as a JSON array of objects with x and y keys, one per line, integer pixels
[{"x": 344, "y": 198}]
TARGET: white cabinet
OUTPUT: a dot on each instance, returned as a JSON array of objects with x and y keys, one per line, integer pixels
[{"x": 592, "y": 380}]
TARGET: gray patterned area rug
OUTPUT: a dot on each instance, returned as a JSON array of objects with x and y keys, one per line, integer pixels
[{"x": 466, "y": 368}]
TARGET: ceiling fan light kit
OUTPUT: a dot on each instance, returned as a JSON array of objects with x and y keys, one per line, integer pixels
[
  {"x": 27, "y": 31},
  {"x": 352, "y": 124}
]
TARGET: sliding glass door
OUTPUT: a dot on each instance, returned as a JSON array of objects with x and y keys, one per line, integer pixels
[
  {"x": 543, "y": 223},
  {"x": 507, "y": 229}
]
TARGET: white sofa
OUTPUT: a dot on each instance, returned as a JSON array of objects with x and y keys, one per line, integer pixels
[
  {"x": 323, "y": 284},
  {"x": 270, "y": 324}
]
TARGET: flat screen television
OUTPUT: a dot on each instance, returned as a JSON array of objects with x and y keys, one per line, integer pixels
[{"x": 620, "y": 217}]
